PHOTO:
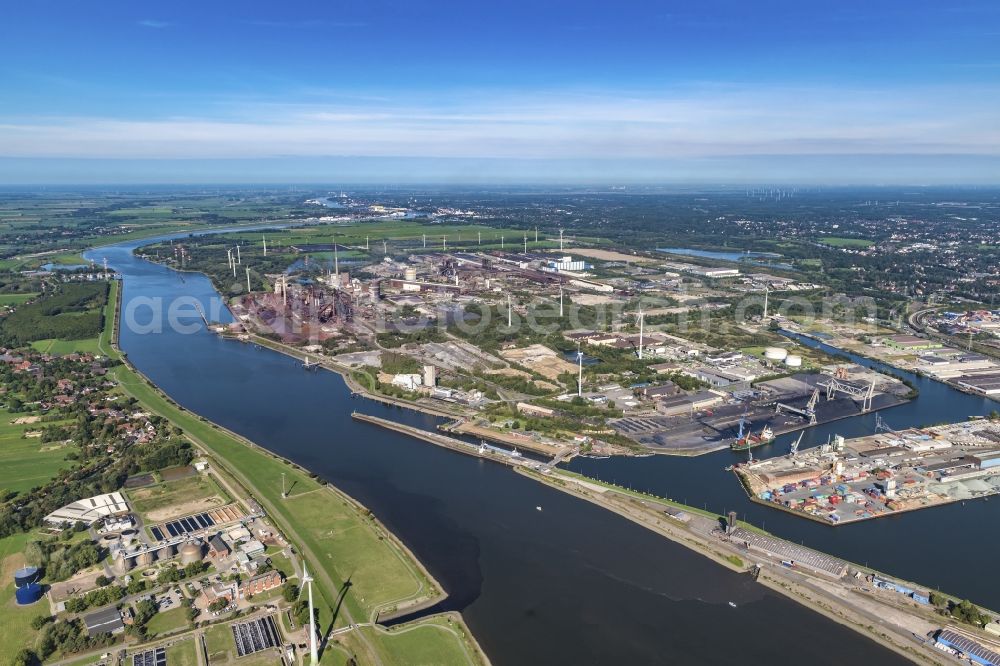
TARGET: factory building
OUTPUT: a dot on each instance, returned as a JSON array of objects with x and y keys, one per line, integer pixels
[
  {"x": 661, "y": 391},
  {"x": 217, "y": 548},
  {"x": 106, "y": 621},
  {"x": 567, "y": 264},
  {"x": 964, "y": 646},
  {"x": 260, "y": 584},
  {"x": 910, "y": 343},
  {"x": 686, "y": 404},
  {"x": 89, "y": 510},
  {"x": 430, "y": 375},
  {"x": 984, "y": 384}
]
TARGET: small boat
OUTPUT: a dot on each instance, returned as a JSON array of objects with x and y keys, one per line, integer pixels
[
  {"x": 732, "y": 604},
  {"x": 538, "y": 508}
]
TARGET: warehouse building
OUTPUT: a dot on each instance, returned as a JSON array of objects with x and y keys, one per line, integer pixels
[
  {"x": 106, "y": 621},
  {"x": 966, "y": 647},
  {"x": 984, "y": 384},
  {"x": 910, "y": 343},
  {"x": 686, "y": 404},
  {"x": 89, "y": 510}
]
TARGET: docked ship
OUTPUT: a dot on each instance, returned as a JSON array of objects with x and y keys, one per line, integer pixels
[{"x": 748, "y": 440}]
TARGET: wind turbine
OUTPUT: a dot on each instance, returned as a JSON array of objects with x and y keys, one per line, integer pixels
[
  {"x": 579, "y": 382},
  {"x": 308, "y": 581},
  {"x": 642, "y": 319}
]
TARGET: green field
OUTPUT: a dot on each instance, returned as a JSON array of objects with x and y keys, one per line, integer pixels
[
  {"x": 184, "y": 653},
  {"x": 313, "y": 514},
  {"x": 15, "y": 299},
  {"x": 329, "y": 525},
  {"x": 62, "y": 347},
  {"x": 421, "y": 645},
  {"x": 15, "y": 620},
  {"x": 164, "y": 496},
  {"x": 167, "y": 621},
  {"x": 150, "y": 211},
  {"x": 332, "y": 528},
  {"x": 64, "y": 259},
  {"x": 835, "y": 241},
  {"x": 72, "y": 312},
  {"x": 24, "y": 461},
  {"x": 281, "y": 562}
]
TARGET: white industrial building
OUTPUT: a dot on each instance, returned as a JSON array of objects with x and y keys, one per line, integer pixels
[
  {"x": 89, "y": 510},
  {"x": 567, "y": 264}
]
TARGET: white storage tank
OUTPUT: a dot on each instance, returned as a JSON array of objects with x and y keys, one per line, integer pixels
[
  {"x": 793, "y": 361},
  {"x": 775, "y": 353}
]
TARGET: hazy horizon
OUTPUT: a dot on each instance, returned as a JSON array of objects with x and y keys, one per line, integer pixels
[{"x": 892, "y": 92}]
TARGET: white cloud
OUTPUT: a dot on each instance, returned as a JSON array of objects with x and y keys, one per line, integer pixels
[
  {"x": 709, "y": 120},
  {"x": 153, "y": 23}
]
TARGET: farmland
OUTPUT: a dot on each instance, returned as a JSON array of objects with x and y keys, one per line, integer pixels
[
  {"x": 24, "y": 461},
  {"x": 834, "y": 241}
]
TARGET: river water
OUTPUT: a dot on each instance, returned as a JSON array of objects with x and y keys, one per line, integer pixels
[{"x": 571, "y": 584}]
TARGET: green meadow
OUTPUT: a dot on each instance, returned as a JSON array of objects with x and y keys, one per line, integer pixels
[
  {"x": 855, "y": 243},
  {"x": 24, "y": 461}
]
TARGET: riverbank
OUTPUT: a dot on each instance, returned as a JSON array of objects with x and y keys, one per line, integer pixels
[
  {"x": 465, "y": 517},
  {"x": 696, "y": 530},
  {"x": 886, "y": 362},
  {"x": 356, "y": 387},
  {"x": 862, "y": 616},
  {"x": 384, "y": 575}
]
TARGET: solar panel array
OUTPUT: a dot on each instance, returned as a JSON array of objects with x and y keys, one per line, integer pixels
[
  {"x": 969, "y": 647},
  {"x": 791, "y": 551},
  {"x": 195, "y": 523},
  {"x": 256, "y": 635},
  {"x": 154, "y": 657}
]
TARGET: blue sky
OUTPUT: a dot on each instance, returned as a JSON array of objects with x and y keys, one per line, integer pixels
[{"x": 407, "y": 90}]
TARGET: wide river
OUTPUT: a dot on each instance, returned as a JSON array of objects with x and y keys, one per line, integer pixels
[{"x": 571, "y": 584}]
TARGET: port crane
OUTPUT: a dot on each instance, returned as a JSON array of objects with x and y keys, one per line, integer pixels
[
  {"x": 808, "y": 412},
  {"x": 795, "y": 446},
  {"x": 882, "y": 426},
  {"x": 863, "y": 393}
]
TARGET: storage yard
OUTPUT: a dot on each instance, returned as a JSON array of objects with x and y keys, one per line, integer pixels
[
  {"x": 783, "y": 405},
  {"x": 883, "y": 474}
]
